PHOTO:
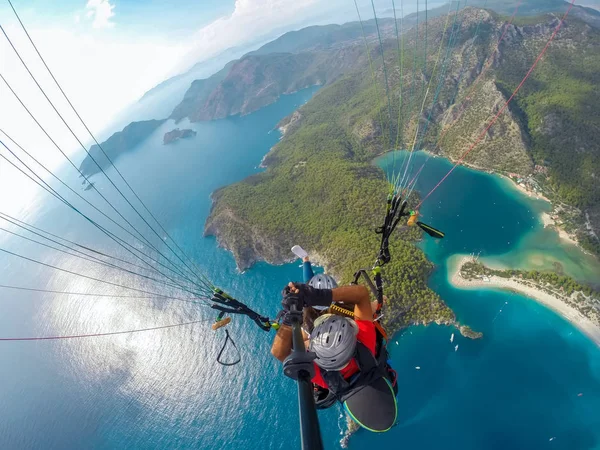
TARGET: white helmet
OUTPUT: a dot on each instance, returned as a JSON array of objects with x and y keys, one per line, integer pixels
[
  {"x": 333, "y": 340},
  {"x": 322, "y": 281}
]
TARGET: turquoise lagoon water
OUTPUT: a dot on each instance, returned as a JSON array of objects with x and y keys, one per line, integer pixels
[{"x": 518, "y": 387}]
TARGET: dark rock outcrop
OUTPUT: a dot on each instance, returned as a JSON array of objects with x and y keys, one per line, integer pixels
[{"x": 176, "y": 134}]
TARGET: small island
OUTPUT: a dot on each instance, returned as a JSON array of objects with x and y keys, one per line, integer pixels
[
  {"x": 468, "y": 332},
  {"x": 176, "y": 134},
  {"x": 576, "y": 302}
]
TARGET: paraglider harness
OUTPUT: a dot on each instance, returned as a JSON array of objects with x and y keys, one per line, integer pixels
[{"x": 371, "y": 367}]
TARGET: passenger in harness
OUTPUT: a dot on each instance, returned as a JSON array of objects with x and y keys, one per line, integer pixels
[
  {"x": 349, "y": 367},
  {"x": 318, "y": 281}
]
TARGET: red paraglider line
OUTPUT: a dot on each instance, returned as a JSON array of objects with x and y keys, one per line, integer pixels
[
  {"x": 484, "y": 70},
  {"x": 468, "y": 96},
  {"x": 495, "y": 119}
]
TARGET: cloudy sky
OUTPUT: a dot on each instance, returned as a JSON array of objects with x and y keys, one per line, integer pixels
[{"x": 107, "y": 53}]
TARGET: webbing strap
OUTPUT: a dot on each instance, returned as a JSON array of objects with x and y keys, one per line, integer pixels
[
  {"x": 233, "y": 306},
  {"x": 394, "y": 212},
  {"x": 341, "y": 311},
  {"x": 239, "y": 356},
  {"x": 379, "y": 328}
]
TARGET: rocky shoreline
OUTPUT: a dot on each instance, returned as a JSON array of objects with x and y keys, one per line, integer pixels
[
  {"x": 242, "y": 239},
  {"x": 261, "y": 249},
  {"x": 550, "y": 220}
]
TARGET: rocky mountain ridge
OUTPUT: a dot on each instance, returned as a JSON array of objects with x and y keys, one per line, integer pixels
[
  {"x": 343, "y": 125},
  {"x": 531, "y": 133}
]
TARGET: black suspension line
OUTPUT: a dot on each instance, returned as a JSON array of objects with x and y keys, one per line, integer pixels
[
  {"x": 85, "y": 149},
  {"x": 91, "y": 294},
  {"x": 91, "y": 335},
  {"x": 61, "y": 269},
  {"x": 85, "y": 178},
  {"x": 117, "y": 239},
  {"x": 44, "y": 234},
  {"x": 97, "y": 261},
  {"x": 53, "y": 192}
]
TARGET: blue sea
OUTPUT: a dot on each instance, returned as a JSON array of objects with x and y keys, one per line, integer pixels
[{"x": 533, "y": 381}]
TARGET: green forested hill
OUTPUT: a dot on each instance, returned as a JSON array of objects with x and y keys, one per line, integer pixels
[
  {"x": 550, "y": 129},
  {"x": 560, "y": 107},
  {"x": 321, "y": 189},
  {"x": 560, "y": 112}
]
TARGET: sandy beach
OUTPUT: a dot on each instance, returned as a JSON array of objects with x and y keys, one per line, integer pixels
[
  {"x": 521, "y": 188},
  {"x": 526, "y": 191},
  {"x": 549, "y": 222},
  {"x": 571, "y": 314}
]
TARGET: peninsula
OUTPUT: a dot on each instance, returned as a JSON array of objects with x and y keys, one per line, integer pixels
[
  {"x": 556, "y": 109},
  {"x": 320, "y": 188},
  {"x": 578, "y": 303}
]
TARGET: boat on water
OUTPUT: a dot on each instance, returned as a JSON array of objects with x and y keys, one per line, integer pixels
[
  {"x": 452, "y": 338},
  {"x": 456, "y": 348}
]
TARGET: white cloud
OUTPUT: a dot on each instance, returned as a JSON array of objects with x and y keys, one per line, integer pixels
[
  {"x": 104, "y": 73},
  {"x": 252, "y": 19},
  {"x": 101, "y": 73},
  {"x": 102, "y": 12}
]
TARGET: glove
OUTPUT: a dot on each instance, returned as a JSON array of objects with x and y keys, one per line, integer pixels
[
  {"x": 288, "y": 299},
  {"x": 283, "y": 318},
  {"x": 310, "y": 296}
]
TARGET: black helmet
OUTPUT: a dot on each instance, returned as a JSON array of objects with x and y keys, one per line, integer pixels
[{"x": 322, "y": 281}]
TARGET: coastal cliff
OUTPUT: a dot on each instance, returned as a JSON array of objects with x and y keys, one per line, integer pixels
[
  {"x": 556, "y": 110},
  {"x": 119, "y": 143},
  {"x": 320, "y": 188},
  {"x": 256, "y": 81},
  {"x": 250, "y": 84},
  {"x": 316, "y": 55},
  {"x": 246, "y": 242}
]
